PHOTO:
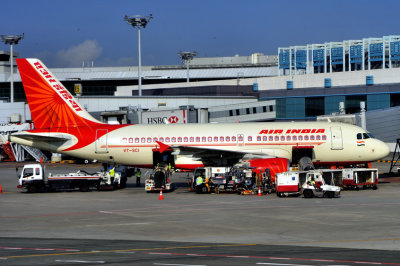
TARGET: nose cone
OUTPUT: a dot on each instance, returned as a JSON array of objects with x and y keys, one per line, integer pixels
[{"x": 382, "y": 150}]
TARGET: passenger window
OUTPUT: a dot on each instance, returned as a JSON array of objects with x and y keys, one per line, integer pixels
[
  {"x": 215, "y": 139},
  {"x": 155, "y": 139},
  {"x": 191, "y": 139},
  {"x": 228, "y": 139},
  {"x": 282, "y": 138},
  {"x": 197, "y": 139},
  {"x": 318, "y": 137},
  {"x": 167, "y": 139},
  {"x": 172, "y": 140},
  {"x": 148, "y": 140},
  {"x": 240, "y": 138},
  {"x": 221, "y": 139},
  {"x": 209, "y": 139},
  {"x": 233, "y": 138},
  {"x": 143, "y": 140},
  {"x": 258, "y": 138},
  {"x": 179, "y": 139},
  {"x": 324, "y": 137},
  {"x": 276, "y": 138},
  {"x": 136, "y": 140},
  {"x": 305, "y": 137},
  {"x": 300, "y": 138},
  {"x": 249, "y": 138},
  {"x": 312, "y": 137},
  {"x": 185, "y": 139},
  {"x": 288, "y": 138},
  {"x": 271, "y": 138},
  {"x": 203, "y": 139},
  {"x": 359, "y": 135},
  {"x": 294, "y": 138},
  {"x": 161, "y": 139}
]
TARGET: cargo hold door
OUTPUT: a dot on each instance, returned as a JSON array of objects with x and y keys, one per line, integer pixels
[{"x": 336, "y": 138}]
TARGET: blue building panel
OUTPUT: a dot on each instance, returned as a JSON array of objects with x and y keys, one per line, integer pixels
[
  {"x": 332, "y": 103},
  {"x": 376, "y": 52},
  {"x": 295, "y": 107},
  {"x": 395, "y": 50},
  {"x": 356, "y": 54},
  {"x": 337, "y": 56},
  {"x": 378, "y": 101},
  {"x": 301, "y": 59},
  {"x": 319, "y": 57},
  {"x": 284, "y": 60}
]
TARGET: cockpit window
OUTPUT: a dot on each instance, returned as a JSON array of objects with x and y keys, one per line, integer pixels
[{"x": 364, "y": 136}]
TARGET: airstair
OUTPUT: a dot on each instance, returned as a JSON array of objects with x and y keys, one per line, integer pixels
[{"x": 395, "y": 159}]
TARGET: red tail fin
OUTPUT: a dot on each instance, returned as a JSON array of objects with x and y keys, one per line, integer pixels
[{"x": 51, "y": 105}]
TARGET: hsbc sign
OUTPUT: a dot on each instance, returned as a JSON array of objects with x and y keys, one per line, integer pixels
[{"x": 163, "y": 117}]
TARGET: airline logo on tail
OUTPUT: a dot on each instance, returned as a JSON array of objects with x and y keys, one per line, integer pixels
[
  {"x": 51, "y": 104},
  {"x": 56, "y": 85}
]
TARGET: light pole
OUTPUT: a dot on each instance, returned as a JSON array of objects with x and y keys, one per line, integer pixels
[
  {"x": 139, "y": 21},
  {"x": 186, "y": 58},
  {"x": 11, "y": 40}
]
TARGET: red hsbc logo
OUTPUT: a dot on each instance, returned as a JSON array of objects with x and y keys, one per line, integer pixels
[{"x": 173, "y": 119}]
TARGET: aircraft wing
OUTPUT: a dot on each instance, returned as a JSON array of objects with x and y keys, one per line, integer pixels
[{"x": 218, "y": 153}]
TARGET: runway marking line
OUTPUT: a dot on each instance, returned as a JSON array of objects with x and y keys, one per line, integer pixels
[
  {"x": 122, "y": 250},
  {"x": 149, "y": 251}
]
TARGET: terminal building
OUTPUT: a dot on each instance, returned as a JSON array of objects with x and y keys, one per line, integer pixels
[{"x": 299, "y": 83}]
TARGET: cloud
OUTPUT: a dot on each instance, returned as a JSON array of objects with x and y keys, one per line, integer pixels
[{"x": 74, "y": 56}]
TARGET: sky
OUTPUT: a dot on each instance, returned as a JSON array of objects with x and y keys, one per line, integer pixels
[{"x": 67, "y": 33}]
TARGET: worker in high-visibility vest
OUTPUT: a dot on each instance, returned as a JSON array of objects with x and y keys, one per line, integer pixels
[
  {"x": 112, "y": 174},
  {"x": 199, "y": 181},
  {"x": 138, "y": 175}
]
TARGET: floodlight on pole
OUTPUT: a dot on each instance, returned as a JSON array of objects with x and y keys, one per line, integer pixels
[
  {"x": 139, "y": 21},
  {"x": 12, "y": 40},
  {"x": 186, "y": 58}
]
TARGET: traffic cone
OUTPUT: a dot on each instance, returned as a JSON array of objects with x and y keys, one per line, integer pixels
[
  {"x": 259, "y": 191},
  {"x": 161, "y": 196},
  {"x": 1, "y": 191}
]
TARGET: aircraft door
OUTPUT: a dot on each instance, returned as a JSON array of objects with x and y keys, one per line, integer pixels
[
  {"x": 240, "y": 140},
  {"x": 101, "y": 141},
  {"x": 336, "y": 138}
]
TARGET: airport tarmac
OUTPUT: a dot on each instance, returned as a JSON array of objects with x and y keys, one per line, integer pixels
[{"x": 131, "y": 226}]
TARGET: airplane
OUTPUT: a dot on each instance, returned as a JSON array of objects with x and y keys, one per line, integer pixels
[{"x": 62, "y": 125}]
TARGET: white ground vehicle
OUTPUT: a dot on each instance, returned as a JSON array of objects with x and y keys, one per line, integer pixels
[
  {"x": 159, "y": 179},
  {"x": 207, "y": 174},
  {"x": 34, "y": 179},
  {"x": 316, "y": 185},
  {"x": 360, "y": 177}
]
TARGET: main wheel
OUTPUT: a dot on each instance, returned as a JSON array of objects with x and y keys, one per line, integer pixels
[{"x": 204, "y": 190}]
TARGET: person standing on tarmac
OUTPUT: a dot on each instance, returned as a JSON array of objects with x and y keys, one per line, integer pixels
[
  {"x": 112, "y": 174},
  {"x": 138, "y": 174}
]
